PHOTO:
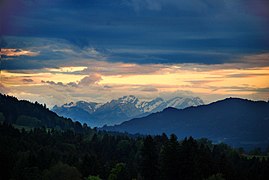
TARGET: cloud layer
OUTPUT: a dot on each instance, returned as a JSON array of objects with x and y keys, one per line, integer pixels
[
  {"x": 138, "y": 31},
  {"x": 67, "y": 50}
]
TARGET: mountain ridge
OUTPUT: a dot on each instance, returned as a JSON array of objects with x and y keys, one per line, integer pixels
[
  {"x": 119, "y": 110},
  {"x": 232, "y": 120}
]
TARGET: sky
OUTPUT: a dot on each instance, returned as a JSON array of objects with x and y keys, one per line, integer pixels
[{"x": 57, "y": 51}]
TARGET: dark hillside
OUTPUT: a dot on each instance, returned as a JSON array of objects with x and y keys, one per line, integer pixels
[{"x": 29, "y": 115}]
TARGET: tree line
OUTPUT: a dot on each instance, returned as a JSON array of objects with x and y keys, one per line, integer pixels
[
  {"x": 42, "y": 153},
  {"x": 35, "y": 143}
]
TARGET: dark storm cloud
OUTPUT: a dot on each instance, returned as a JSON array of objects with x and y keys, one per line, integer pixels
[{"x": 227, "y": 28}]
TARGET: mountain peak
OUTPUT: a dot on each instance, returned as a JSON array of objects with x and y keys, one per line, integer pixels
[
  {"x": 183, "y": 102},
  {"x": 128, "y": 99},
  {"x": 68, "y": 105}
]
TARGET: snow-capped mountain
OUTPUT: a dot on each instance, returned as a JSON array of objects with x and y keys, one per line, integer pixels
[
  {"x": 87, "y": 106},
  {"x": 182, "y": 102},
  {"x": 238, "y": 122},
  {"x": 119, "y": 110},
  {"x": 152, "y": 106}
]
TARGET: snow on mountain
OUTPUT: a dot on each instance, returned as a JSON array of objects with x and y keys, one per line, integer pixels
[
  {"x": 90, "y": 107},
  {"x": 175, "y": 101},
  {"x": 183, "y": 102},
  {"x": 87, "y": 106},
  {"x": 128, "y": 99},
  {"x": 155, "y": 105},
  {"x": 122, "y": 109}
]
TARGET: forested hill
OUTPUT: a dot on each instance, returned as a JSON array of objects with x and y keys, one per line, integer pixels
[{"x": 22, "y": 113}]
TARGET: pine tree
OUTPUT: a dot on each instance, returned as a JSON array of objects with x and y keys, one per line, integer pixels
[
  {"x": 170, "y": 159},
  {"x": 149, "y": 159}
]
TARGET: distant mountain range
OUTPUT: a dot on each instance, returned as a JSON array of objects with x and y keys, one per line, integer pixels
[
  {"x": 120, "y": 110},
  {"x": 235, "y": 121}
]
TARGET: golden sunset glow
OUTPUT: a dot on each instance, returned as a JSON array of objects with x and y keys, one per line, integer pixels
[{"x": 155, "y": 78}]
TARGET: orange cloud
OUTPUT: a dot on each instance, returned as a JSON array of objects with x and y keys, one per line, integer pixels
[{"x": 17, "y": 52}]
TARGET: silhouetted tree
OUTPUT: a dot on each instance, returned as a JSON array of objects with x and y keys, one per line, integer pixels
[
  {"x": 170, "y": 159},
  {"x": 149, "y": 159}
]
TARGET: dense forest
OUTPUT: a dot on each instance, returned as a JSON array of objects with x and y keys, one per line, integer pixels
[
  {"x": 35, "y": 143},
  {"x": 51, "y": 154}
]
